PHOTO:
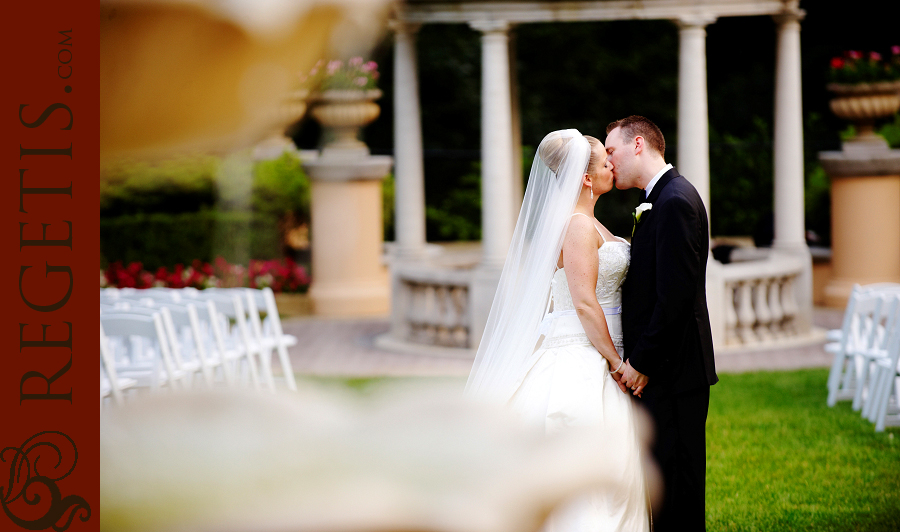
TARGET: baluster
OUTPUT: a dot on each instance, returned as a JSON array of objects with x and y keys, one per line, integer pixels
[
  {"x": 461, "y": 332},
  {"x": 444, "y": 315},
  {"x": 761, "y": 307},
  {"x": 731, "y": 318},
  {"x": 416, "y": 311},
  {"x": 788, "y": 304},
  {"x": 775, "y": 307},
  {"x": 430, "y": 316},
  {"x": 745, "y": 315}
]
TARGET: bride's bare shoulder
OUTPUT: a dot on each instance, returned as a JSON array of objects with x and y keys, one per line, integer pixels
[{"x": 581, "y": 227}]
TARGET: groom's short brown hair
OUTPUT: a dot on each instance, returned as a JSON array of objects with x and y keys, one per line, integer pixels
[{"x": 634, "y": 126}]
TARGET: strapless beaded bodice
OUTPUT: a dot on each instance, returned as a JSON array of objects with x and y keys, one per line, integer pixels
[
  {"x": 614, "y": 260},
  {"x": 562, "y": 326}
]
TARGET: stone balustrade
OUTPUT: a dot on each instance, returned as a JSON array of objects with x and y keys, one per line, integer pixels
[
  {"x": 759, "y": 301},
  {"x": 431, "y": 306}
]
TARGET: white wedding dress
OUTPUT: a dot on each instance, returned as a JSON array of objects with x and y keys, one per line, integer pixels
[{"x": 570, "y": 385}]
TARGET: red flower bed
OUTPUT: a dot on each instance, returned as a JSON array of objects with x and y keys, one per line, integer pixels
[{"x": 281, "y": 276}]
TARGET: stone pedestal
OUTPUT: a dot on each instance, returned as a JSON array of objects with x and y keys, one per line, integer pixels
[
  {"x": 349, "y": 277},
  {"x": 865, "y": 217}
]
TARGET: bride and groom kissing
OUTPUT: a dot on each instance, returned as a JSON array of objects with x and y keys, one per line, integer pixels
[{"x": 625, "y": 325}]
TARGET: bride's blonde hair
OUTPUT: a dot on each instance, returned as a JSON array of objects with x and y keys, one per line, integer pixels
[
  {"x": 553, "y": 150},
  {"x": 594, "y": 160},
  {"x": 554, "y": 147}
]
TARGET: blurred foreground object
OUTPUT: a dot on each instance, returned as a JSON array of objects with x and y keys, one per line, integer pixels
[
  {"x": 211, "y": 75},
  {"x": 327, "y": 460}
]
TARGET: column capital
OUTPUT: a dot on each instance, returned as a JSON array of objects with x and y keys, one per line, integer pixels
[
  {"x": 402, "y": 26},
  {"x": 695, "y": 21},
  {"x": 789, "y": 16},
  {"x": 488, "y": 26}
]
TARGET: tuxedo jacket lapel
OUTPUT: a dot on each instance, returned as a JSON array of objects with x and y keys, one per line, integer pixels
[
  {"x": 661, "y": 184},
  {"x": 657, "y": 188}
]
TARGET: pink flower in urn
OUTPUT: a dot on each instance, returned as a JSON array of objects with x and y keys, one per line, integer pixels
[
  {"x": 356, "y": 61},
  {"x": 874, "y": 56},
  {"x": 361, "y": 81},
  {"x": 854, "y": 54},
  {"x": 837, "y": 62},
  {"x": 333, "y": 66},
  {"x": 895, "y": 50},
  {"x": 371, "y": 66}
]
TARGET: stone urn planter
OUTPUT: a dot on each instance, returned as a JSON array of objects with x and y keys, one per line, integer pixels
[
  {"x": 343, "y": 112},
  {"x": 864, "y": 103}
]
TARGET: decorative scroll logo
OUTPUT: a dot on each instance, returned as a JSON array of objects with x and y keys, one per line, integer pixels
[{"x": 31, "y": 498}]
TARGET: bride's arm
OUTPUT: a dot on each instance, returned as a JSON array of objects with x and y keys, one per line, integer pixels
[{"x": 581, "y": 263}]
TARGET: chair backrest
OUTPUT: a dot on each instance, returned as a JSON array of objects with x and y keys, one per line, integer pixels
[
  {"x": 141, "y": 325},
  {"x": 109, "y": 366},
  {"x": 864, "y": 323}
]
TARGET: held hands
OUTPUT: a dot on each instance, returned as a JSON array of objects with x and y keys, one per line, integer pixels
[
  {"x": 633, "y": 379},
  {"x": 618, "y": 378}
]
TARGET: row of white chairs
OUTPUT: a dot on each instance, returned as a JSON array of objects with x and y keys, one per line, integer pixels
[
  {"x": 163, "y": 338},
  {"x": 866, "y": 353}
]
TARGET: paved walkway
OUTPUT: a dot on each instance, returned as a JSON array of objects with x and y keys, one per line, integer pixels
[{"x": 345, "y": 347}]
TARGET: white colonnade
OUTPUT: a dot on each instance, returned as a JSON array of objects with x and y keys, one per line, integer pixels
[
  {"x": 499, "y": 185},
  {"x": 409, "y": 173},
  {"x": 497, "y": 218},
  {"x": 693, "y": 110},
  {"x": 788, "y": 138}
]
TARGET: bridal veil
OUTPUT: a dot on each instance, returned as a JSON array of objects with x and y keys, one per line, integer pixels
[{"x": 507, "y": 348}]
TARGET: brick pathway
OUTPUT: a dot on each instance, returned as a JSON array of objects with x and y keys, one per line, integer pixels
[{"x": 345, "y": 347}]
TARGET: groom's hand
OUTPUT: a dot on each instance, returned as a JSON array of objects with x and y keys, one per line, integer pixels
[{"x": 634, "y": 379}]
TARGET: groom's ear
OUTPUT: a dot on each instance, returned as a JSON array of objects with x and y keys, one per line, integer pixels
[{"x": 638, "y": 144}]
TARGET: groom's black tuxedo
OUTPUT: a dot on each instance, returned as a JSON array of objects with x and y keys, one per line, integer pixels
[{"x": 665, "y": 321}]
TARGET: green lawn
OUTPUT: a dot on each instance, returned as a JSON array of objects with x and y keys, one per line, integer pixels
[{"x": 779, "y": 459}]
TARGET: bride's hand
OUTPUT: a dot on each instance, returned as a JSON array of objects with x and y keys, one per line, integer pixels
[
  {"x": 618, "y": 378},
  {"x": 634, "y": 379}
]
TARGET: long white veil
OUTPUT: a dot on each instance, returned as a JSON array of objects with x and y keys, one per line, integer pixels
[{"x": 506, "y": 351}]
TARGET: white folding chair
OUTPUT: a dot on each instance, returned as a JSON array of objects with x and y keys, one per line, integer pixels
[
  {"x": 881, "y": 406},
  {"x": 144, "y": 369},
  {"x": 235, "y": 343},
  {"x": 836, "y": 335},
  {"x": 110, "y": 383},
  {"x": 175, "y": 319},
  {"x": 270, "y": 334},
  {"x": 856, "y": 336}
]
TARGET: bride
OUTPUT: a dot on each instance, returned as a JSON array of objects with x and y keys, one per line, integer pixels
[{"x": 563, "y": 368}]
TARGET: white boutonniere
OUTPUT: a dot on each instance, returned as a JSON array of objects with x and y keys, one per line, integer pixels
[{"x": 637, "y": 214}]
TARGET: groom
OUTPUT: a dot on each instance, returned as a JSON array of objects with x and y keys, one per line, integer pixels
[{"x": 668, "y": 344}]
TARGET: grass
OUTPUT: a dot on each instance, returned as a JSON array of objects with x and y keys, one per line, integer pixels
[{"x": 779, "y": 459}]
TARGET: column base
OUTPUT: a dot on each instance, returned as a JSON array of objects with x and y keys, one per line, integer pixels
[
  {"x": 351, "y": 299},
  {"x": 837, "y": 291}
]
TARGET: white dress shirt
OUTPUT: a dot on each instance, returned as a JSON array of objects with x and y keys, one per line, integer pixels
[{"x": 655, "y": 179}]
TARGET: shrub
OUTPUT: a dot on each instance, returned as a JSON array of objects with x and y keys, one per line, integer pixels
[{"x": 162, "y": 239}]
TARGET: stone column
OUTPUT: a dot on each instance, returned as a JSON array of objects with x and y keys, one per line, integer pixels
[
  {"x": 409, "y": 175},
  {"x": 516, "y": 120},
  {"x": 788, "y": 138},
  {"x": 790, "y": 232},
  {"x": 497, "y": 222},
  {"x": 693, "y": 111},
  {"x": 497, "y": 189}
]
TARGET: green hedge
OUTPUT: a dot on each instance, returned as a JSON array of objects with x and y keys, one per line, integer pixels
[{"x": 161, "y": 239}]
